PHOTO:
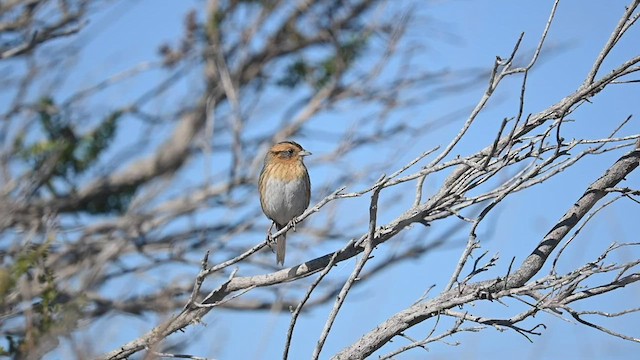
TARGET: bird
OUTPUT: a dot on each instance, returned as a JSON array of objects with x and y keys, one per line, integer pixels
[{"x": 285, "y": 189}]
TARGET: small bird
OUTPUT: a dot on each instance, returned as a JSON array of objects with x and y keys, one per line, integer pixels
[{"x": 285, "y": 188}]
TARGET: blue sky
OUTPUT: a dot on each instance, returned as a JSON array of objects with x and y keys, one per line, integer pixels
[{"x": 454, "y": 35}]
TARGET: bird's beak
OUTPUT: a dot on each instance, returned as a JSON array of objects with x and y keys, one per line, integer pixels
[{"x": 304, "y": 153}]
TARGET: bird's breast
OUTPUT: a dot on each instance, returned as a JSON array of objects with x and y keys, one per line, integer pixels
[{"x": 285, "y": 199}]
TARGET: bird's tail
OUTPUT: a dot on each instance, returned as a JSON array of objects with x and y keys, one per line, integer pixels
[{"x": 281, "y": 246}]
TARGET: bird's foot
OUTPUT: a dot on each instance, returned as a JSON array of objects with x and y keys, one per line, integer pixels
[
  {"x": 271, "y": 242},
  {"x": 270, "y": 239},
  {"x": 292, "y": 224}
]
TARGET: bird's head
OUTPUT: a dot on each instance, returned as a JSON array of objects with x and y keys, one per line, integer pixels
[{"x": 287, "y": 151}]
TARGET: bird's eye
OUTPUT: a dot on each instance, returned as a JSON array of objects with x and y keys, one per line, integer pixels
[{"x": 286, "y": 154}]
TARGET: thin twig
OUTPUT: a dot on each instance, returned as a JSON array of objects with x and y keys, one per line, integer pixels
[
  {"x": 368, "y": 245},
  {"x": 298, "y": 309}
]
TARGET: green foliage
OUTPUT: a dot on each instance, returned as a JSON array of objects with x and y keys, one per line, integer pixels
[
  {"x": 6, "y": 284},
  {"x": 32, "y": 259},
  {"x": 64, "y": 152},
  {"x": 319, "y": 73},
  {"x": 92, "y": 144},
  {"x": 113, "y": 202},
  {"x": 295, "y": 74},
  {"x": 47, "y": 308},
  {"x": 213, "y": 25},
  {"x": 28, "y": 259}
]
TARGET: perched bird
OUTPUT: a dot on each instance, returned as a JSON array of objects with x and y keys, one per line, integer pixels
[{"x": 285, "y": 188}]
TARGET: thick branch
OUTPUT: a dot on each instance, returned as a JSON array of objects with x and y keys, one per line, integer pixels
[{"x": 417, "y": 313}]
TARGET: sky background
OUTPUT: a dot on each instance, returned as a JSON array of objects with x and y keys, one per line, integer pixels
[{"x": 453, "y": 35}]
